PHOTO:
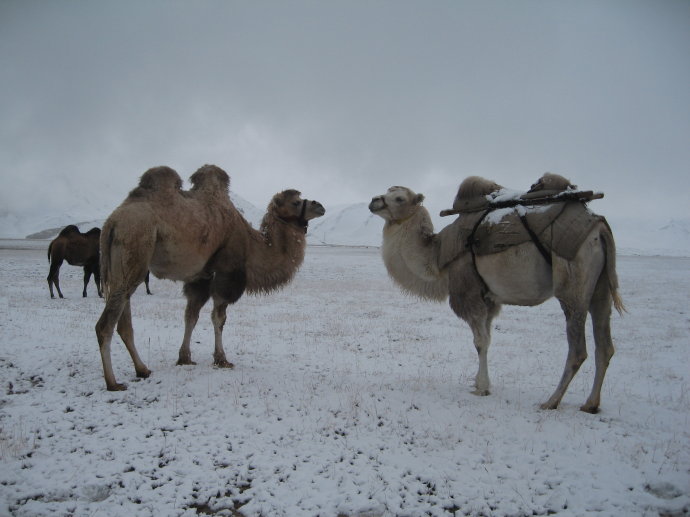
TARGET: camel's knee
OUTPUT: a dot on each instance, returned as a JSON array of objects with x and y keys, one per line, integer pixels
[
  {"x": 604, "y": 354},
  {"x": 102, "y": 332},
  {"x": 105, "y": 326},
  {"x": 576, "y": 359},
  {"x": 219, "y": 316},
  {"x": 610, "y": 352}
]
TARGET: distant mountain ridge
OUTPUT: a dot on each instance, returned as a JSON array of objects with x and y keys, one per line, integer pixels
[{"x": 354, "y": 225}]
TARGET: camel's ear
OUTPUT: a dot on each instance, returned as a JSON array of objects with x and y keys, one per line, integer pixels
[{"x": 418, "y": 199}]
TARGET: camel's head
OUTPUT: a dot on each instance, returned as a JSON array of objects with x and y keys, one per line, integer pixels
[
  {"x": 289, "y": 206},
  {"x": 396, "y": 205}
]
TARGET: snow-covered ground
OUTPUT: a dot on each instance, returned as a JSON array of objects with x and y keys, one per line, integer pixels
[{"x": 347, "y": 398}]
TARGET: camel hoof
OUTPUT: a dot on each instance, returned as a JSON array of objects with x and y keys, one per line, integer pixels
[
  {"x": 116, "y": 387},
  {"x": 223, "y": 364},
  {"x": 546, "y": 405},
  {"x": 184, "y": 362},
  {"x": 592, "y": 410},
  {"x": 481, "y": 393},
  {"x": 144, "y": 374}
]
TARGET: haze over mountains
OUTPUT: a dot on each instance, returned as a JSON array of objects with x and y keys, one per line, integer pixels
[{"x": 354, "y": 225}]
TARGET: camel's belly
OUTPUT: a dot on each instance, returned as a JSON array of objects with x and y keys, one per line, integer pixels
[
  {"x": 176, "y": 265},
  {"x": 518, "y": 276}
]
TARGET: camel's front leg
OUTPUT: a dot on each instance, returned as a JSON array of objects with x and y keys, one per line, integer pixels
[
  {"x": 478, "y": 317},
  {"x": 226, "y": 288},
  {"x": 87, "y": 276},
  {"x": 146, "y": 282},
  {"x": 482, "y": 339},
  {"x": 197, "y": 294},
  {"x": 218, "y": 317}
]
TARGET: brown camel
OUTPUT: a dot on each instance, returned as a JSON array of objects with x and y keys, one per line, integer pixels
[
  {"x": 78, "y": 249},
  {"x": 200, "y": 238},
  {"x": 477, "y": 285}
]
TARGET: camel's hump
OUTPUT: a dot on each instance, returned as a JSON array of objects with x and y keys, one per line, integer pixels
[
  {"x": 158, "y": 179},
  {"x": 210, "y": 178},
  {"x": 552, "y": 182},
  {"x": 474, "y": 186},
  {"x": 70, "y": 229},
  {"x": 472, "y": 193}
]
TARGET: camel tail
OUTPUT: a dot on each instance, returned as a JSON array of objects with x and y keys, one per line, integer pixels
[
  {"x": 610, "y": 249},
  {"x": 50, "y": 247}
]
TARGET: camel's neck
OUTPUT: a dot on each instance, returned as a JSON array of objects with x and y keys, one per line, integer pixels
[
  {"x": 410, "y": 253},
  {"x": 275, "y": 254}
]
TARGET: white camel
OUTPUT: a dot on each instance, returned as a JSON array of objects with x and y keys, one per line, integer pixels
[{"x": 477, "y": 286}]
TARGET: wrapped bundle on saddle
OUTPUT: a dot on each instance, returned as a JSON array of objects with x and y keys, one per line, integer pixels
[{"x": 552, "y": 214}]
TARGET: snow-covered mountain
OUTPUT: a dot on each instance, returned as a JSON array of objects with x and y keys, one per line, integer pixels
[
  {"x": 47, "y": 226},
  {"x": 349, "y": 225},
  {"x": 646, "y": 237},
  {"x": 354, "y": 225}
]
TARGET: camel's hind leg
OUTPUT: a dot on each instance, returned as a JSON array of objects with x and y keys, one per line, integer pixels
[
  {"x": 577, "y": 352},
  {"x": 600, "y": 310},
  {"x": 197, "y": 294},
  {"x": 117, "y": 312},
  {"x": 54, "y": 277},
  {"x": 89, "y": 269},
  {"x": 126, "y": 332},
  {"x": 574, "y": 285},
  {"x": 105, "y": 327},
  {"x": 97, "y": 278}
]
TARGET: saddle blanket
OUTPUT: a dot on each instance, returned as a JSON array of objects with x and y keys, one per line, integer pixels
[{"x": 560, "y": 228}]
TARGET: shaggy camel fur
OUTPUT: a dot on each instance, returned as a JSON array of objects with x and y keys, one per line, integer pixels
[
  {"x": 78, "y": 249},
  {"x": 478, "y": 286},
  {"x": 199, "y": 238}
]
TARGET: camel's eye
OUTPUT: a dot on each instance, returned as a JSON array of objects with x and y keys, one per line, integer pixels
[
  {"x": 399, "y": 199},
  {"x": 296, "y": 203}
]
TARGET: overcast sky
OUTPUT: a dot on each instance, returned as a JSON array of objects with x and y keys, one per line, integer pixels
[{"x": 342, "y": 99}]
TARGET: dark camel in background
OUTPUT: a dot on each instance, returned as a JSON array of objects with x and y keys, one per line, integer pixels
[{"x": 78, "y": 249}]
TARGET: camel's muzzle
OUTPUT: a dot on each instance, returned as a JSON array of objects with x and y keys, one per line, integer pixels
[
  {"x": 377, "y": 204},
  {"x": 315, "y": 208}
]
